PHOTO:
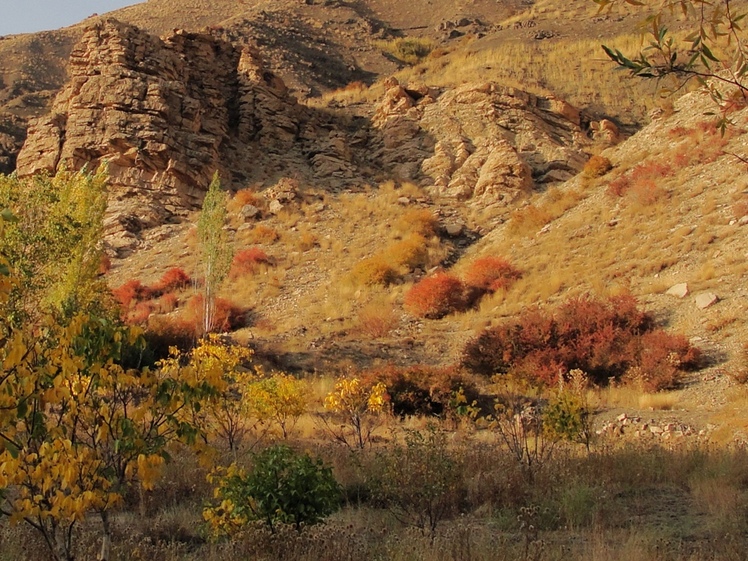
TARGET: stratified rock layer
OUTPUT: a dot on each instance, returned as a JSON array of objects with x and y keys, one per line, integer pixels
[
  {"x": 161, "y": 113},
  {"x": 165, "y": 114},
  {"x": 480, "y": 142}
]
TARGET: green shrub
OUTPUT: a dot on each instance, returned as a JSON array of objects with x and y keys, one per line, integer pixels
[
  {"x": 283, "y": 487},
  {"x": 419, "y": 481},
  {"x": 568, "y": 416}
]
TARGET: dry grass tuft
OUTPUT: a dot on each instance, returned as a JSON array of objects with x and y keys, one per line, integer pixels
[
  {"x": 377, "y": 318},
  {"x": 410, "y": 50}
]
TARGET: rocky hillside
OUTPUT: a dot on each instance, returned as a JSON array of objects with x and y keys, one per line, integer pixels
[
  {"x": 166, "y": 113},
  {"x": 313, "y": 46},
  {"x": 544, "y": 47},
  {"x": 326, "y": 183}
]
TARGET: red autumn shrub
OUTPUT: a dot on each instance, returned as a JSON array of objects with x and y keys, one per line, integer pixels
[
  {"x": 510, "y": 345},
  {"x": 662, "y": 358},
  {"x": 489, "y": 274},
  {"x": 436, "y": 296},
  {"x": 645, "y": 174},
  {"x": 607, "y": 339},
  {"x": 139, "y": 314},
  {"x": 647, "y": 192},
  {"x": 247, "y": 261},
  {"x": 619, "y": 186},
  {"x": 651, "y": 170},
  {"x": 167, "y": 303},
  {"x": 226, "y": 317},
  {"x": 242, "y": 198},
  {"x": 173, "y": 279},
  {"x": 131, "y": 291},
  {"x": 679, "y": 132}
]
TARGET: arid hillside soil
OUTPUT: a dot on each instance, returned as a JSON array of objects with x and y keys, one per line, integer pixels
[{"x": 473, "y": 149}]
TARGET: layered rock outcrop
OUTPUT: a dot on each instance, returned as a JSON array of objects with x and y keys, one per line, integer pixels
[
  {"x": 165, "y": 114},
  {"x": 158, "y": 112},
  {"x": 480, "y": 142}
]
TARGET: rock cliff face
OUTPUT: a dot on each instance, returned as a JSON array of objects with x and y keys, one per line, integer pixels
[
  {"x": 165, "y": 114},
  {"x": 480, "y": 142},
  {"x": 161, "y": 113}
]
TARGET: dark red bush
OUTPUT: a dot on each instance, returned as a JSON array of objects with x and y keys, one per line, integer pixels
[
  {"x": 139, "y": 314},
  {"x": 227, "y": 315},
  {"x": 423, "y": 390},
  {"x": 131, "y": 291},
  {"x": 173, "y": 279},
  {"x": 662, "y": 358},
  {"x": 604, "y": 338}
]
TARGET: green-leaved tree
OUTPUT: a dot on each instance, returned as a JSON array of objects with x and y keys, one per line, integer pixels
[
  {"x": 53, "y": 243},
  {"x": 711, "y": 51},
  {"x": 216, "y": 251}
]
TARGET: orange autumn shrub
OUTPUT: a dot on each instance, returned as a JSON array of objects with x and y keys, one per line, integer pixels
[
  {"x": 436, "y": 296},
  {"x": 247, "y": 261}
]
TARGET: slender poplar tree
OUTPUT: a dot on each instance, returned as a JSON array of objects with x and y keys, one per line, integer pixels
[{"x": 216, "y": 251}]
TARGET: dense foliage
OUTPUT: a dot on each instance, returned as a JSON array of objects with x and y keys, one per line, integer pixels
[
  {"x": 283, "y": 487},
  {"x": 608, "y": 339}
]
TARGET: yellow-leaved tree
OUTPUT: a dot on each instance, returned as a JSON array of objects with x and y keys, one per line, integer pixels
[
  {"x": 278, "y": 399},
  {"x": 77, "y": 428},
  {"x": 223, "y": 369},
  {"x": 53, "y": 244},
  {"x": 357, "y": 410}
]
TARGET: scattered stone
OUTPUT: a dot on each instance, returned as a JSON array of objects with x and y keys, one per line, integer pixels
[
  {"x": 555, "y": 176},
  {"x": 679, "y": 290},
  {"x": 605, "y": 131},
  {"x": 654, "y": 429},
  {"x": 544, "y": 34},
  {"x": 622, "y": 417},
  {"x": 743, "y": 220},
  {"x": 403, "y": 201},
  {"x": 248, "y": 212},
  {"x": 705, "y": 300},
  {"x": 275, "y": 207},
  {"x": 453, "y": 229}
]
